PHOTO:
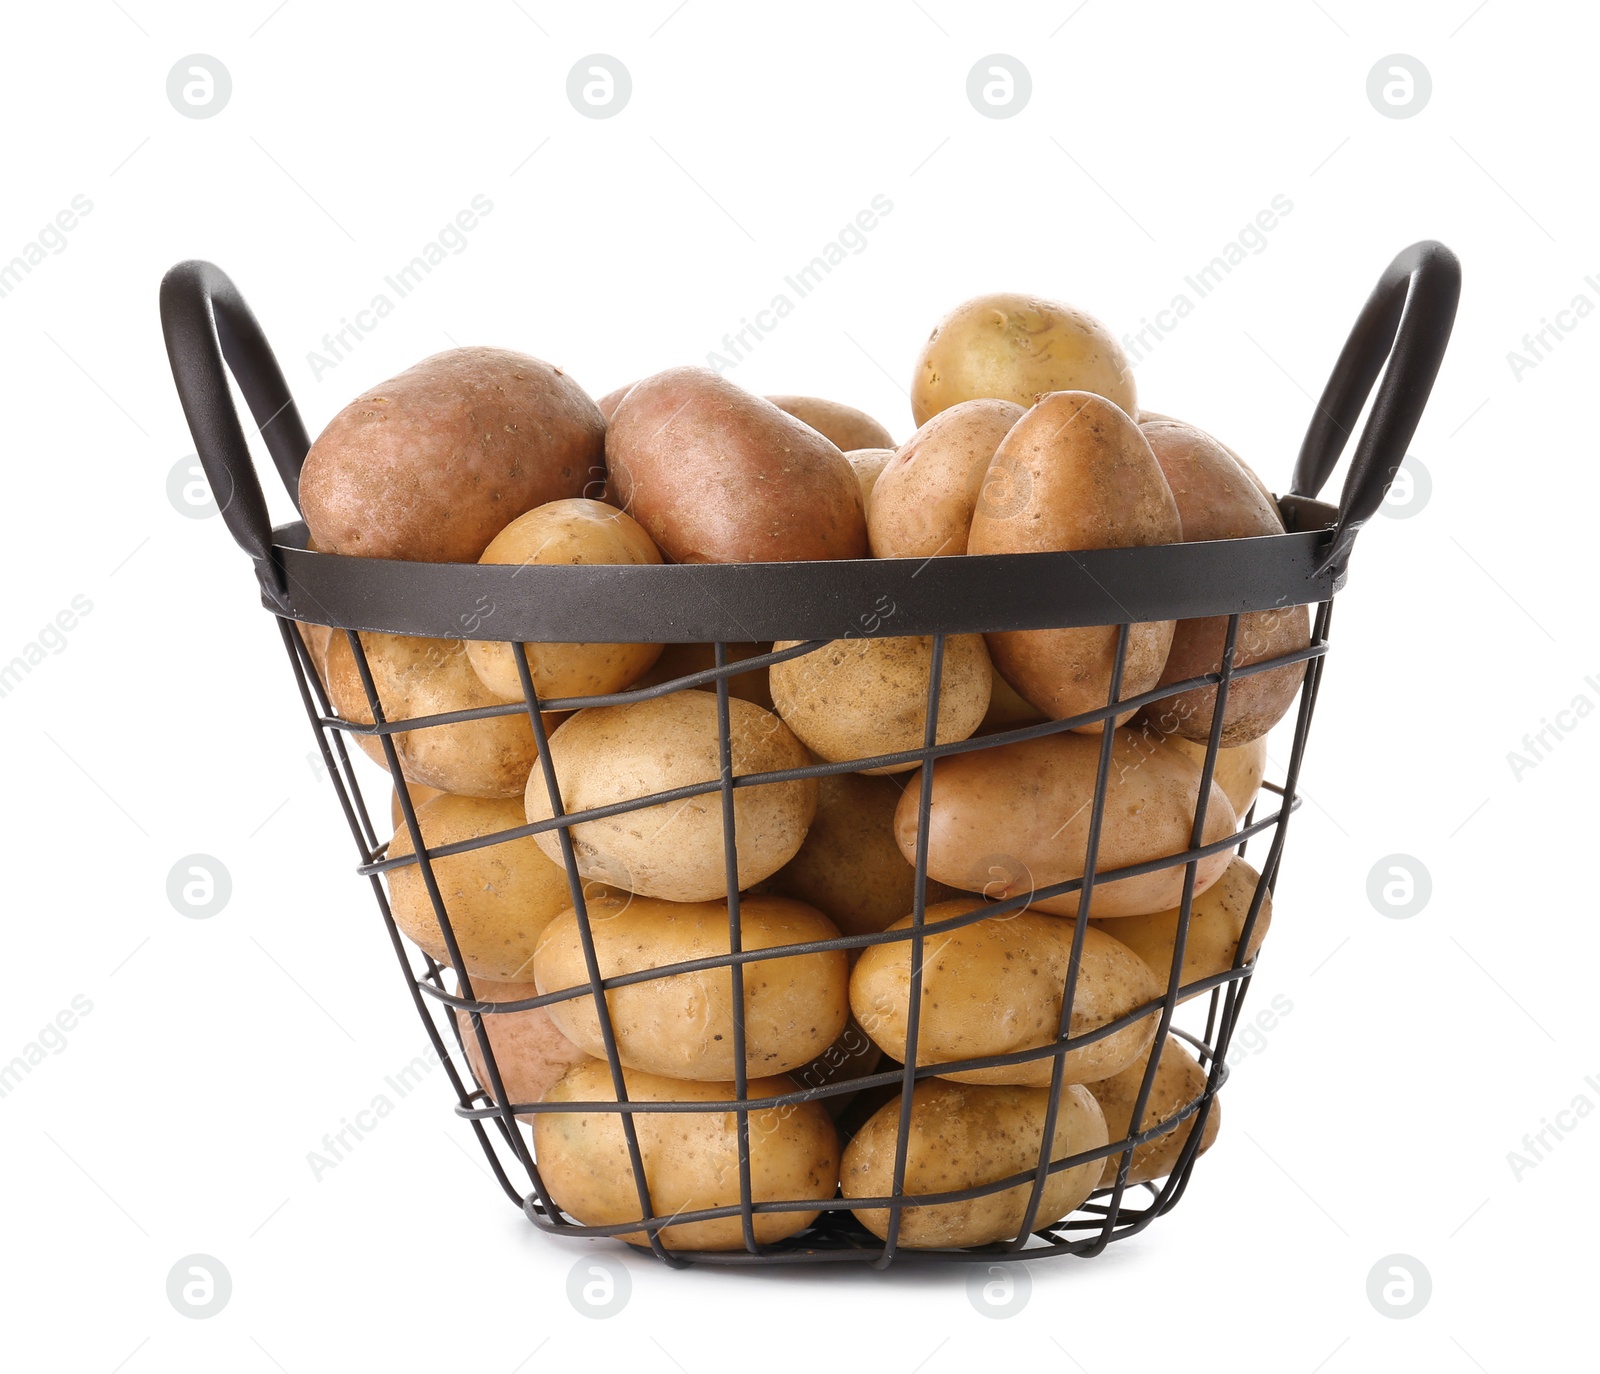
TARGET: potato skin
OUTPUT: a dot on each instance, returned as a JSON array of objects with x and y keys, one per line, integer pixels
[
  {"x": 845, "y": 426},
  {"x": 680, "y": 660},
  {"x": 858, "y": 698},
  {"x": 431, "y": 464},
  {"x": 491, "y": 757},
  {"x": 682, "y": 1026},
  {"x": 1218, "y": 498},
  {"x": 927, "y": 492},
  {"x": 1216, "y": 921},
  {"x": 1015, "y": 817},
  {"x": 571, "y": 531},
  {"x": 499, "y": 898},
  {"x": 1239, "y": 771},
  {"x": 716, "y": 475},
  {"x": 1075, "y": 473},
  {"x": 849, "y": 867},
  {"x": 607, "y": 404},
  {"x": 1016, "y": 347},
  {"x": 691, "y": 1159},
  {"x": 868, "y": 465},
  {"x": 963, "y": 1135},
  {"x": 674, "y": 850},
  {"x": 529, "y": 1051},
  {"x": 1179, "y": 1081},
  {"x": 995, "y": 987}
]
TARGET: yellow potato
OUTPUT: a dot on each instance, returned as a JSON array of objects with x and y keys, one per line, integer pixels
[
  {"x": 868, "y": 464},
  {"x": 419, "y": 795},
  {"x": 691, "y": 1159},
  {"x": 853, "y": 1055},
  {"x": 1014, "y": 818},
  {"x": 845, "y": 425},
  {"x": 680, "y": 660},
  {"x": 529, "y": 1051},
  {"x": 415, "y": 677},
  {"x": 1075, "y": 473},
  {"x": 499, "y": 898},
  {"x": 964, "y": 1135},
  {"x": 1239, "y": 770},
  {"x": 1216, "y": 921},
  {"x": 995, "y": 987},
  {"x": 674, "y": 850},
  {"x": 930, "y": 486},
  {"x": 849, "y": 867},
  {"x": 1007, "y": 711},
  {"x": 1017, "y": 347},
  {"x": 682, "y": 1026},
  {"x": 1179, "y": 1081},
  {"x": 858, "y": 698},
  {"x": 572, "y": 531}
]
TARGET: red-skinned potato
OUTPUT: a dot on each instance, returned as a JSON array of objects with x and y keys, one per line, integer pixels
[
  {"x": 432, "y": 464},
  {"x": 716, "y": 475},
  {"x": 846, "y": 426}
]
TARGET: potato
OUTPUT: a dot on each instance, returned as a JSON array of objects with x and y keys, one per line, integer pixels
[
  {"x": 316, "y": 638},
  {"x": 682, "y": 1025},
  {"x": 691, "y": 1159},
  {"x": 1216, "y": 921},
  {"x": 853, "y": 1055},
  {"x": 1014, "y": 818},
  {"x": 716, "y": 475},
  {"x": 528, "y": 1049},
  {"x": 432, "y": 464},
  {"x": 849, "y": 867},
  {"x": 1016, "y": 347},
  {"x": 1179, "y": 1081},
  {"x": 680, "y": 660},
  {"x": 1218, "y": 499},
  {"x": 858, "y": 698},
  {"x": 571, "y": 531},
  {"x": 415, "y": 677},
  {"x": 868, "y": 465},
  {"x": 964, "y": 1135},
  {"x": 674, "y": 850},
  {"x": 1239, "y": 770},
  {"x": 844, "y": 425},
  {"x": 1008, "y": 711},
  {"x": 995, "y": 987},
  {"x": 607, "y": 404},
  {"x": 933, "y": 482},
  {"x": 1075, "y": 473},
  {"x": 499, "y": 898},
  {"x": 419, "y": 795}
]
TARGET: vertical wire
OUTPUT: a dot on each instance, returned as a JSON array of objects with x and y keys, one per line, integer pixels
[
  {"x": 908, "y": 1074},
  {"x": 1080, "y": 926},
  {"x": 730, "y": 861},
  {"x": 651, "y": 1226}
]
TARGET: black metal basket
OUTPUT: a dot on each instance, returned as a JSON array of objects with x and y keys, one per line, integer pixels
[{"x": 1401, "y": 332}]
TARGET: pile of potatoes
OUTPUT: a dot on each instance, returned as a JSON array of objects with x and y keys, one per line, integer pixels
[{"x": 1029, "y": 438}]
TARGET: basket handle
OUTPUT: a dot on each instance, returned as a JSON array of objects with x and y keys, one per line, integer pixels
[
  {"x": 206, "y": 322},
  {"x": 1401, "y": 332}
]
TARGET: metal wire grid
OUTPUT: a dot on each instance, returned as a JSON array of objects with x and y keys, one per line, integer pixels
[{"x": 836, "y": 1235}]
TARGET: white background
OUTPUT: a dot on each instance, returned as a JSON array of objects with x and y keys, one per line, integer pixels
[{"x": 1375, "y": 1118}]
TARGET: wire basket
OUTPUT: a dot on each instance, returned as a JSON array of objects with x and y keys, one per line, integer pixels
[{"x": 1401, "y": 333}]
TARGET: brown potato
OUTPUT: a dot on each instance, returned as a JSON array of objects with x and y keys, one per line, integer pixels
[
  {"x": 1016, "y": 348},
  {"x": 1216, "y": 921},
  {"x": 849, "y": 867},
  {"x": 419, "y": 795},
  {"x": 868, "y": 465},
  {"x": 499, "y": 898},
  {"x": 529, "y": 1051},
  {"x": 416, "y": 677},
  {"x": 716, "y": 475},
  {"x": 1014, "y": 818},
  {"x": 432, "y": 464},
  {"x": 844, "y": 425},
  {"x": 1075, "y": 473},
  {"x": 316, "y": 638},
  {"x": 691, "y": 1159},
  {"x": 1179, "y": 1081},
  {"x": 680, "y": 660},
  {"x": 1218, "y": 499},
  {"x": 929, "y": 488},
  {"x": 607, "y": 404},
  {"x": 1239, "y": 770},
  {"x": 995, "y": 987},
  {"x": 852, "y": 1056},
  {"x": 858, "y": 698},
  {"x": 571, "y": 531},
  {"x": 964, "y": 1135},
  {"x": 674, "y": 850},
  {"x": 1007, "y": 711},
  {"x": 682, "y": 1026}
]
